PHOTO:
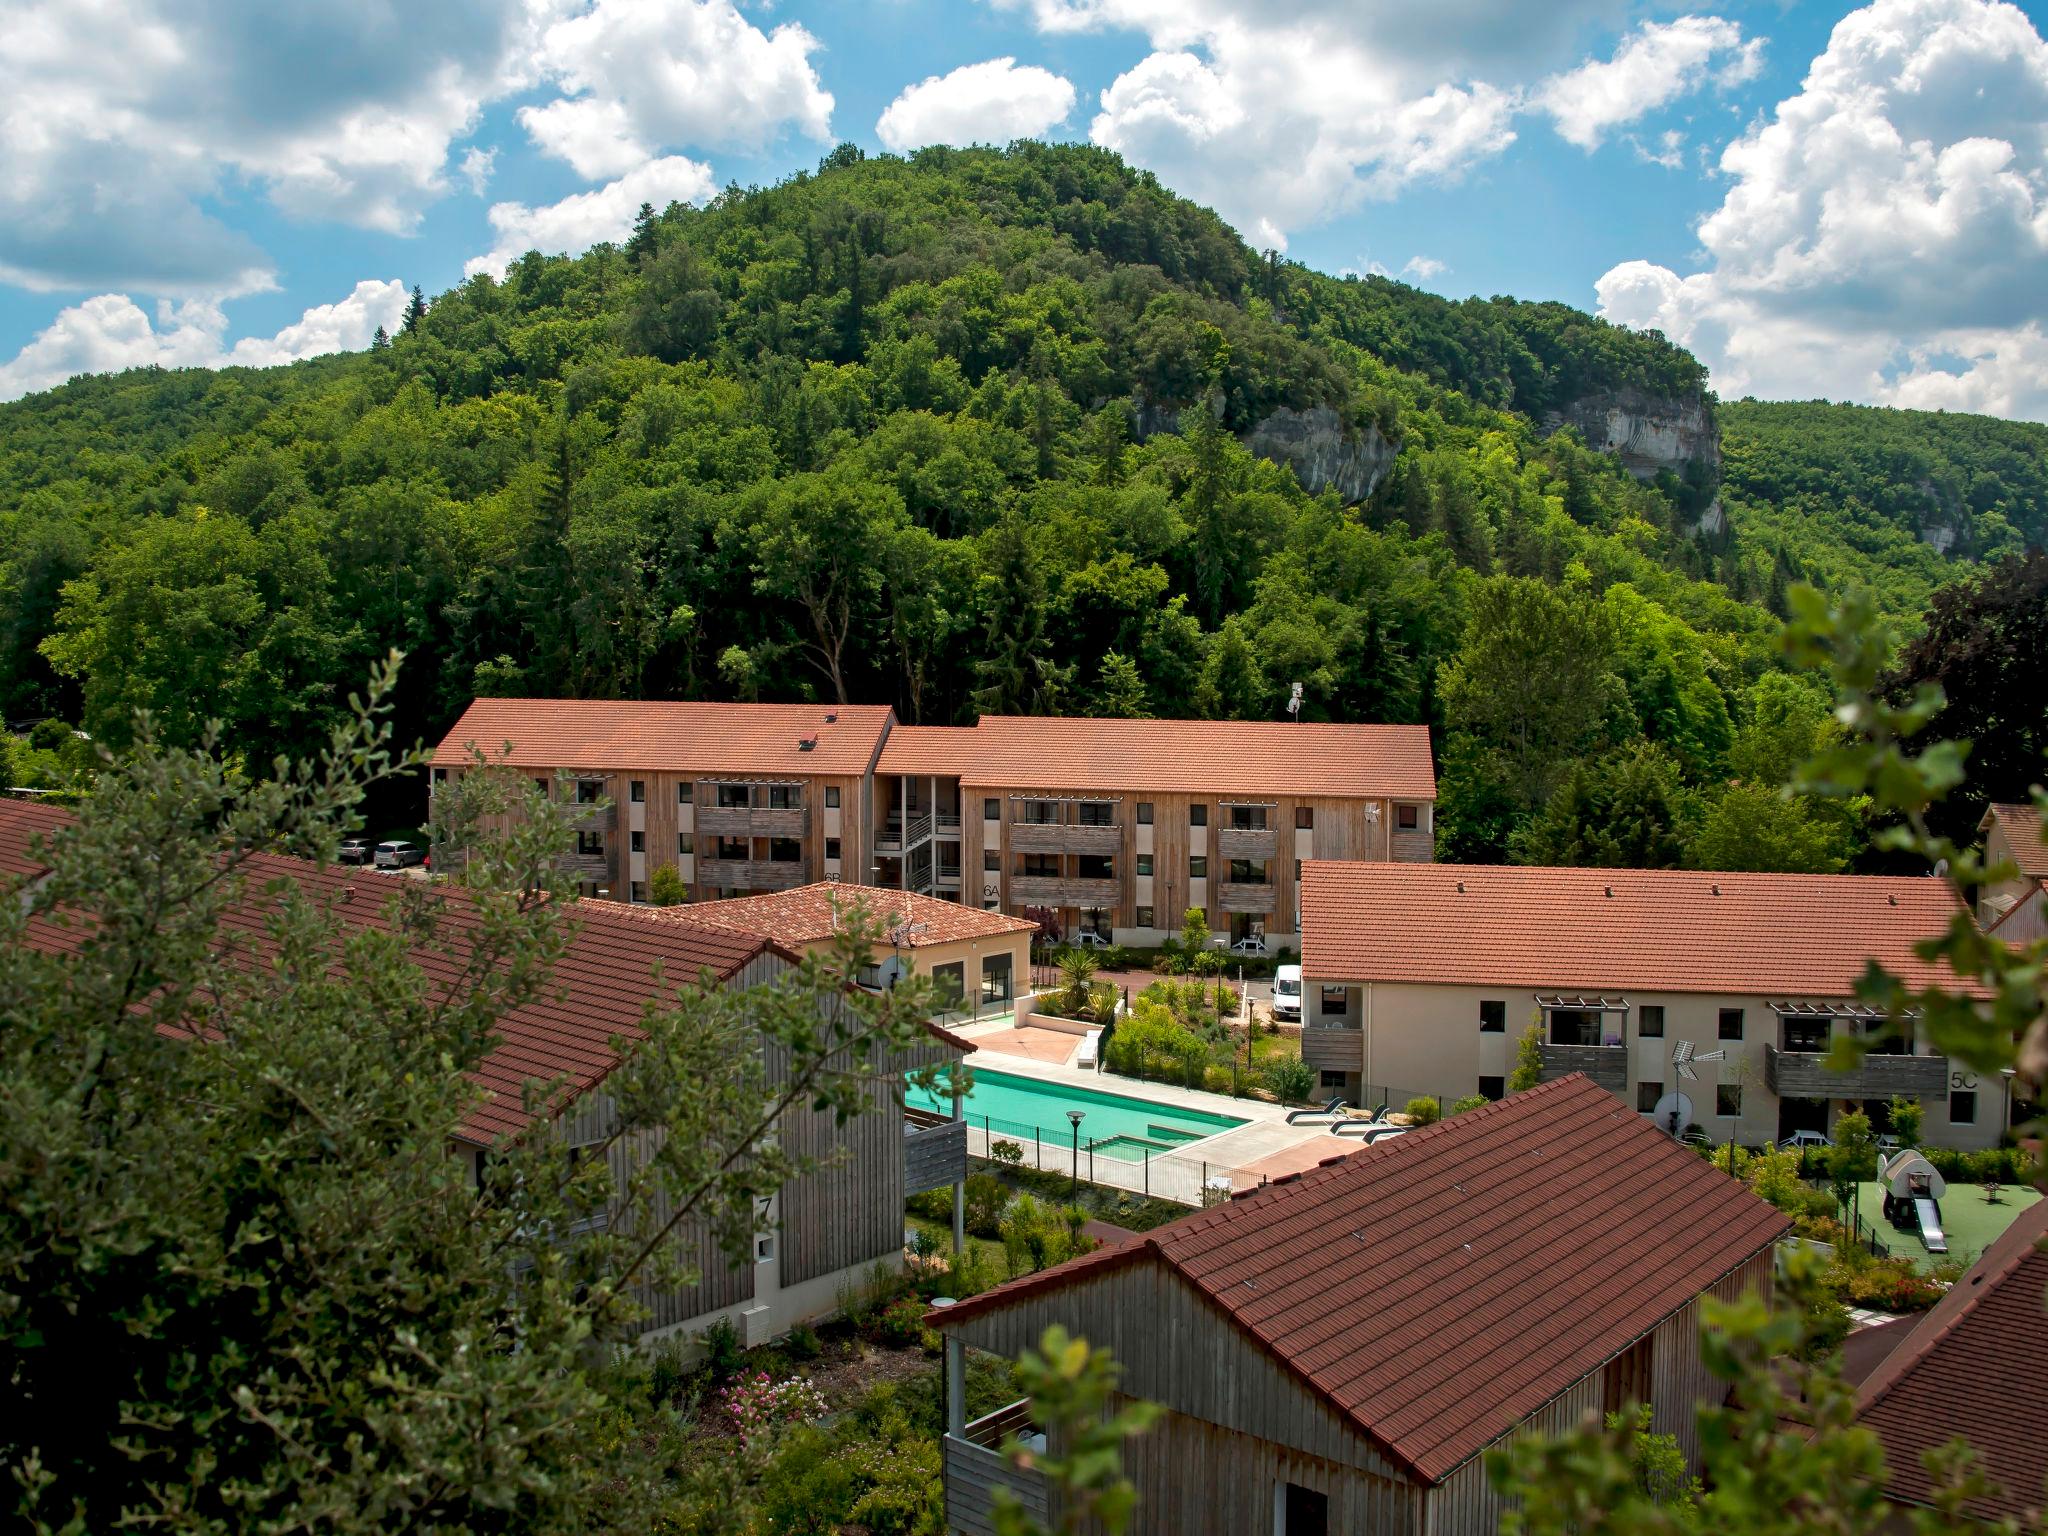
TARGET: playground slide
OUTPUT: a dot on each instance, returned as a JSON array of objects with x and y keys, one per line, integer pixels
[{"x": 1930, "y": 1226}]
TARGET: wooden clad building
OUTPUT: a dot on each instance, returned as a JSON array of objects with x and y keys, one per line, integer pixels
[
  {"x": 1337, "y": 1351},
  {"x": 2015, "y": 907},
  {"x": 818, "y": 1232}
]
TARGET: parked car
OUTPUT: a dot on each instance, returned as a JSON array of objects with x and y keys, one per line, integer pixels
[
  {"x": 1253, "y": 944},
  {"x": 1090, "y": 940},
  {"x": 1287, "y": 992},
  {"x": 356, "y": 850},
  {"x": 397, "y": 854},
  {"x": 1799, "y": 1141}
]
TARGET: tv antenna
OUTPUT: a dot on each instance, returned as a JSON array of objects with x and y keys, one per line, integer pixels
[
  {"x": 1294, "y": 702},
  {"x": 1683, "y": 1058}
]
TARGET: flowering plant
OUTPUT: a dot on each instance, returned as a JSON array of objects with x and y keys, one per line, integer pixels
[{"x": 758, "y": 1405}]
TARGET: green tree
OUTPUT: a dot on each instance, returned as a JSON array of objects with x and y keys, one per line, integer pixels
[
  {"x": 298, "y": 1302},
  {"x": 415, "y": 311},
  {"x": 1233, "y": 685},
  {"x": 1120, "y": 691},
  {"x": 1528, "y": 1070},
  {"x": 665, "y": 887},
  {"x": 1626, "y": 811},
  {"x": 1073, "y": 1399},
  {"x": 1750, "y": 827},
  {"x": 1906, "y": 1116}
]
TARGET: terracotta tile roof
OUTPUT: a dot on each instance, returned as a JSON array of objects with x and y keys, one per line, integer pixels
[
  {"x": 654, "y": 736},
  {"x": 809, "y": 913},
  {"x": 600, "y": 984},
  {"x": 1973, "y": 1367},
  {"x": 1575, "y": 930},
  {"x": 21, "y": 823},
  {"x": 1440, "y": 1287},
  {"x": 1220, "y": 757},
  {"x": 2022, "y": 827}
]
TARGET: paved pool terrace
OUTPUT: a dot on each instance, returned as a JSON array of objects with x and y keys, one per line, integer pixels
[{"x": 1259, "y": 1145}]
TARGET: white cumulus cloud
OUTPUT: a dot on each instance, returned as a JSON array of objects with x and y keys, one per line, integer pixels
[
  {"x": 1654, "y": 66},
  {"x": 1423, "y": 268},
  {"x": 640, "y": 76},
  {"x": 988, "y": 103},
  {"x": 111, "y": 331},
  {"x": 1884, "y": 236},
  {"x": 580, "y": 221}
]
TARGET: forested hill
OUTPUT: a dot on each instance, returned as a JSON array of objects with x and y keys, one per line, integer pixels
[{"x": 979, "y": 430}]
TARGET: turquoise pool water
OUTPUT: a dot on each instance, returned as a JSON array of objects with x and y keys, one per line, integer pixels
[{"x": 1118, "y": 1126}]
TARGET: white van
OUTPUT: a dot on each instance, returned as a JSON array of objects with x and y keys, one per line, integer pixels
[{"x": 1287, "y": 993}]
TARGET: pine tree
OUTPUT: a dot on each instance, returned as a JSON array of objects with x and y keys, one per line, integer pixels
[
  {"x": 642, "y": 243},
  {"x": 415, "y": 310},
  {"x": 1120, "y": 692},
  {"x": 381, "y": 341}
]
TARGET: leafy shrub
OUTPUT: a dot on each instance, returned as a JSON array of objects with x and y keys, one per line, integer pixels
[
  {"x": 901, "y": 1323},
  {"x": 1891, "y": 1285},
  {"x": 986, "y": 1198},
  {"x": 1291, "y": 1080},
  {"x": 724, "y": 1356},
  {"x": 1469, "y": 1101},
  {"x": 803, "y": 1342},
  {"x": 1423, "y": 1111},
  {"x": 1011, "y": 1152}
]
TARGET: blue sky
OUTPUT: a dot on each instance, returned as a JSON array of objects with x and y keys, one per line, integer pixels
[{"x": 1827, "y": 200}]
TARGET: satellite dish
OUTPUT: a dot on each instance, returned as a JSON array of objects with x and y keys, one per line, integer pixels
[
  {"x": 1294, "y": 702},
  {"x": 1940, "y": 868},
  {"x": 1672, "y": 1114},
  {"x": 891, "y": 971}
]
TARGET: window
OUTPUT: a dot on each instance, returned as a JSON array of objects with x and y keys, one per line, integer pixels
[
  {"x": 1095, "y": 866},
  {"x": 587, "y": 791},
  {"x": 764, "y": 1247},
  {"x": 1144, "y": 863},
  {"x": 686, "y": 793},
  {"x": 440, "y": 775},
  {"x": 637, "y": 890},
  {"x": 1407, "y": 817},
  {"x": 1647, "y": 1095},
  {"x": 1198, "y": 866},
  {"x": 590, "y": 845},
  {"x": 1731, "y": 1023},
  {"x": 950, "y": 983},
  {"x": 639, "y": 843},
  {"x": 1247, "y": 872},
  {"x": 785, "y": 797},
  {"x": 831, "y": 797},
  {"x": 832, "y": 848},
  {"x": 1144, "y": 813},
  {"x": 541, "y": 785},
  {"x": 1142, "y": 917},
  {"x": 732, "y": 797},
  {"x": 785, "y": 850},
  {"x": 1304, "y": 818},
  {"x": 1650, "y": 1021},
  {"x": 1332, "y": 1079},
  {"x": 995, "y": 979},
  {"x": 1493, "y": 1088},
  {"x": 1574, "y": 1026},
  {"x": 1333, "y": 1001},
  {"x": 991, "y": 810},
  {"x": 1248, "y": 818},
  {"x": 638, "y": 791},
  {"x": 1198, "y": 815},
  {"x": 1962, "y": 1107},
  {"x": 1728, "y": 1100},
  {"x": 1297, "y": 871},
  {"x": 686, "y": 844},
  {"x": 1493, "y": 1017},
  {"x": 1039, "y": 866},
  {"x": 1093, "y": 813},
  {"x": 1303, "y": 1511},
  {"x": 734, "y": 848},
  {"x": 1040, "y": 813},
  {"x": 991, "y": 861}
]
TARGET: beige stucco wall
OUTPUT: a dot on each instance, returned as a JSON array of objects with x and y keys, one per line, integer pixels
[{"x": 1425, "y": 1039}]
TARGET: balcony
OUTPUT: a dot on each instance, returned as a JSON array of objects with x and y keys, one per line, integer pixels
[
  {"x": 1333, "y": 1049},
  {"x": 1247, "y": 843},
  {"x": 1065, "y": 837},
  {"x": 1806, "y": 1075},
  {"x": 1233, "y": 897},
  {"x": 946, "y": 823},
  {"x": 596, "y": 818},
  {"x": 1607, "y": 1065},
  {"x": 752, "y": 821},
  {"x": 934, "y": 1151},
  {"x": 975, "y": 1467},
  {"x": 1063, "y": 891},
  {"x": 749, "y": 874}
]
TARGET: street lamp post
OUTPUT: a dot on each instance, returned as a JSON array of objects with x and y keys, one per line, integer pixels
[{"x": 1074, "y": 1119}]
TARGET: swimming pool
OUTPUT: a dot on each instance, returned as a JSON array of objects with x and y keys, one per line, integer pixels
[{"x": 1006, "y": 1105}]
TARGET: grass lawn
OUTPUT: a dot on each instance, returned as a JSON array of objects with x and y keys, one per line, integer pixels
[{"x": 1971, "y": 1223}]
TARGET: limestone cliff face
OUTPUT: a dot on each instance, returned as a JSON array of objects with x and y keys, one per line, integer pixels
[
  {"x": 1323, "y": 456},
  {"x": 1646, "y": 432},
  {"x": 1313, "y": 443}
]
